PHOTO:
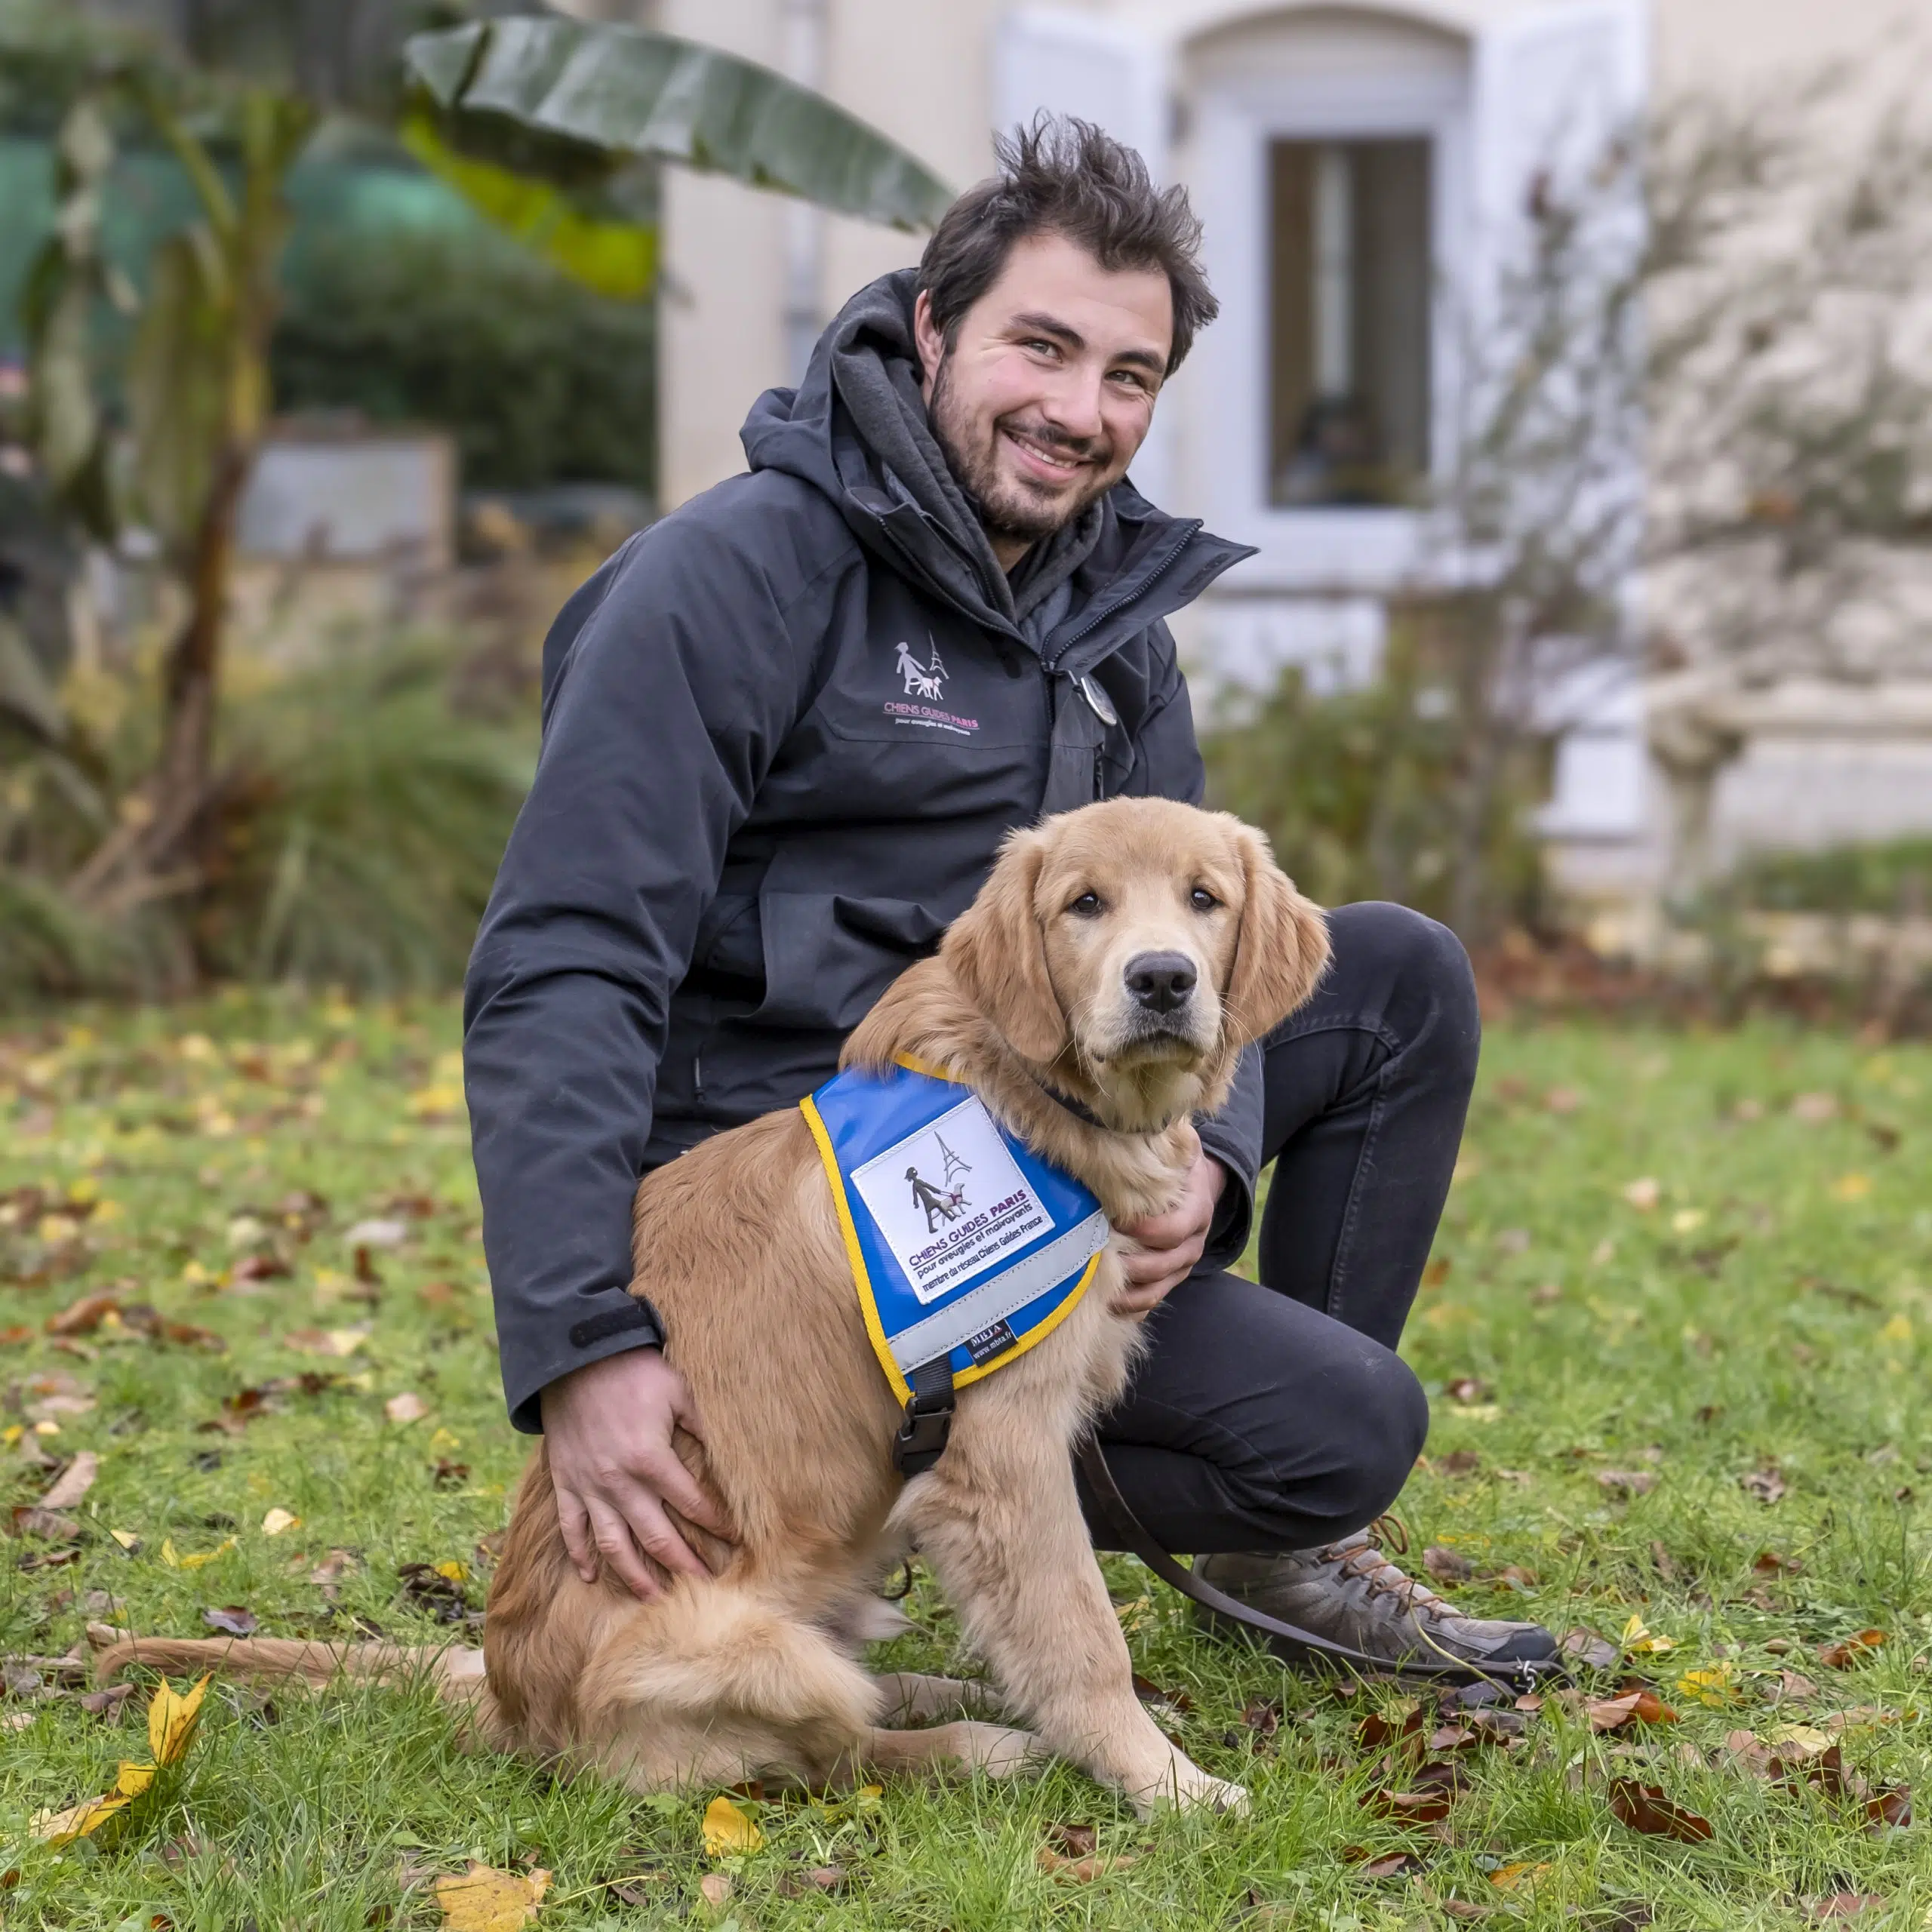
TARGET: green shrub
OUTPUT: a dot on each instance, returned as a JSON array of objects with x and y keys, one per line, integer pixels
[
  {"x": 540, "y": 381},
  {"x": 1361, "y": 792},
  {"x": 1893, "y": 877},
  {"x": 352, "y": 840}
]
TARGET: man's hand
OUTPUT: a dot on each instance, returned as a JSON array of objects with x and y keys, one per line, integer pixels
[
  {"x": 608, "y": 1427},
  {"x": 1164, "y": 1247}
]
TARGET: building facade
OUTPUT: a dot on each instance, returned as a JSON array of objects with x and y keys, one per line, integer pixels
[{"x": 1350, "y": 164}]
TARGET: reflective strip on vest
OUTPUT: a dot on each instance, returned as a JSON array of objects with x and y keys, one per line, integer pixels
[{"x": 962, "y": 1241}]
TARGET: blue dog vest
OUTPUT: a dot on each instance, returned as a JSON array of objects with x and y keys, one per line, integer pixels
[{"x": 966, "y": 1248}]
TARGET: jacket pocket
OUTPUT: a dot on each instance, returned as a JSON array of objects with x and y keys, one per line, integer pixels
[{"x": 828, "y": 956}]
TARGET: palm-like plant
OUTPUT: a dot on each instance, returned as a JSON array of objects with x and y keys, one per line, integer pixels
[{"x": 549, "y": 125}]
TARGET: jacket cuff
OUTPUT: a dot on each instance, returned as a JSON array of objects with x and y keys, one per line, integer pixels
[
  {"x": 1234, "y": 1213},
  {"x": 612, "y": 1321}
]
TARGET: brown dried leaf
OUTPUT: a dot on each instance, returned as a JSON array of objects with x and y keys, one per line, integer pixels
[
  {"x": 1074, "y": 1841},
  {"x": 1767, "y": 1484},
  {"x": 1262, "y": 1717},
  {"x": 1382, "y": 1864},
  {"x": 1082, "y": 1870},
  {"x": 73, "y": 1482},
  {"x": 1447, "y": 1567},
  {"x": 1889, "y": 1808},
  {"x": 1587, "y": 1647},
  {"x": 408, "y": 1407},
  {"x": 1627, "y": 1482},
  {"x": 1842, "y": 1656},
  {"x": 85, "y": 1316},
  {"x": 1644, "y": 1807},
  {"x": 1845, "y": 1904},
  {"x": 1458, "y": 1462},
  {"x": 233, "y": 1619},
  {"x": 1149, "y": 1692}
]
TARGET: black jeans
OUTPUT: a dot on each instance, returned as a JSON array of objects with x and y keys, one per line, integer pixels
[{"x": 1276, "y": 1415}]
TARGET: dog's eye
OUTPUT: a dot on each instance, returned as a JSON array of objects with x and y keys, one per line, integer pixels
[
  {"x": 1087, "y": 905},
  {"x": 1202, "y": 900}
]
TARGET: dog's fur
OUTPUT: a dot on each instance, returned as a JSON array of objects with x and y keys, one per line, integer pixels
[{"x": 753, "y": 1672}]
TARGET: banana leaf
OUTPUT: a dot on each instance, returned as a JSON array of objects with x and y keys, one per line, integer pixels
[{"x": 576, "y": 102}]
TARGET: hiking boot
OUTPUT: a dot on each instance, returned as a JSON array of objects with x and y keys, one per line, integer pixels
[{"x": 1351, "y": 1593}]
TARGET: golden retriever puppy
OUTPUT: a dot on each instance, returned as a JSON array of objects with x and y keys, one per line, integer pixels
[{"x": 1118, "y": 958}]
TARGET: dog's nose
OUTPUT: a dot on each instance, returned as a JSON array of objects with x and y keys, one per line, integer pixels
[{"x": 1161, "y": 981}]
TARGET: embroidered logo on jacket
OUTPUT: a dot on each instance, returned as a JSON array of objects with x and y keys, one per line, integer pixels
[{"x": 926, "y": 684}]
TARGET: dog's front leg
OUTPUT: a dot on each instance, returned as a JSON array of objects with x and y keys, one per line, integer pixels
[{"x": 999, "y": 1520}]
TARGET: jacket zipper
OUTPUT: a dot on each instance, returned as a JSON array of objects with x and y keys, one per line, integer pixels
[
  {"x": 697, "y": 1078},
  {"x": 1094, "y": 619}
]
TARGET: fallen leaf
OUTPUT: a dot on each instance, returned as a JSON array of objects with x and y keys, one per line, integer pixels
[
  {"x": 1767, "y": 1484},
  {"x": 1889, "y": 1809},
  {"x": 1644, "y": 1194},
  {"x": 1074, "y": 1841},
  {"x": 1814, "y": 1109},
  {"x": 1843, "y": 1904},
  {"x": 56, "y": 1828},
  {"x": 1417, "y": 1807},
  {"x": 278, "y": 1520},
  {"x": 1382, "y": 1864},
  {"x": 175, "y": 1561},
  {"x": 1587, "y": 1647},
  {"x": 1795, "y": 1687},
  {"x": 727, "y": 1829},
  {"x": 1521, "y": 1872},
  {"x": 1852, "y": 1187},
  {"x": 1842, "y": 1656},
  {"x": 1262, "y": 1717},
  {"x": 336, "y": 1341},
  {"x": 1458, "y": 1462},
  {"x": 408, "y": 1406},
  {"x": 1467, "y": 1389},
  {"x": 73, "y": 1482},
  {"x": 1562, "y": 1100},
  {"x": 1644, "y": 1808},
  {"x": 1082, "y": 1870},
  {"x": 1447, "y": 1566},
  {"x": 430, "y": 1588},
  {"x": 48, "y": 1525},
  {"x": 1627, "y": 1482},
  {"x": 484, "y": 1899},
  {"x": 1640, "y": 1642},
  {"x": 236, "y": 1621},
  {"x": 172, "y": 1717},
  {"x": 1149, "y": 1692},
  {"x": 105, "y": 1703},
  {"x": 85, "y": 1316},
  {"x": 798, "y": 1884},
  {"x": 1714, "y": 1687},
  {"x": 377, "y": 1234},
  {"x": 1634, "y": 1706}
]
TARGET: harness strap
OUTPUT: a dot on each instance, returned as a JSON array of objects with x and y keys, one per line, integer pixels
[
  {"x": 924, "y": 1433},
  {"x": 1140, "y": 1543}
]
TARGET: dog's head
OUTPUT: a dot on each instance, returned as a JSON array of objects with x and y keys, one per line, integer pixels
[{"x": 1145, "y": 941}]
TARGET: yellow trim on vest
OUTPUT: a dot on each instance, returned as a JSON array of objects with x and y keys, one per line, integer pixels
[
  {"x": 861, "y": 1281},
  {"x": 912, "y": 1064},
  {"x": 854, "y": 1254}
]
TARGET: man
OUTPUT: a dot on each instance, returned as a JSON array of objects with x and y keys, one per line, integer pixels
[{"x": 784, "y": 729}]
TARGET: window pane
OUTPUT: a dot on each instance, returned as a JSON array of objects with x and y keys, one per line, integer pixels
[{"x": 1349, "y": 326}]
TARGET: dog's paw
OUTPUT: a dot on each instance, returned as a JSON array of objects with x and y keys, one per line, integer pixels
[
  {"x": 1188, "y": 1788},
  {"x": 992, "y": 1748}
]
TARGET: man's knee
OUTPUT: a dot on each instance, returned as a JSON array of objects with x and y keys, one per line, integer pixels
[
  {"x": 1387, "y": 1424},
  {"x": 1418, "y": 974}
]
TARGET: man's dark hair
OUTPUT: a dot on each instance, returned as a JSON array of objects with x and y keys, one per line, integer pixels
[{"x": 1068, "y": 177}]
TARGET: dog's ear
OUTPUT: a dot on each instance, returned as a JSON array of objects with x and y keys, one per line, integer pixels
[
  {"x": 998, "y": 952},
  {"x": 1281, "y": 948}
]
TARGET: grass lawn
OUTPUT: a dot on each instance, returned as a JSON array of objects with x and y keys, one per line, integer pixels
[{"x": 1697, "y": 1403}]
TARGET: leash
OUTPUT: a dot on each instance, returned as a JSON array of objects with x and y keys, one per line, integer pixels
[{"x": 1523, "y": 1676}]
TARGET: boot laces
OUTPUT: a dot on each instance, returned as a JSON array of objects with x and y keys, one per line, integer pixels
[{"x": 1366, "y": 1562}]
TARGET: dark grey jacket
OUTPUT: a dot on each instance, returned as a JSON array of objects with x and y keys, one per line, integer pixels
[{"x": 784, "y": 732}]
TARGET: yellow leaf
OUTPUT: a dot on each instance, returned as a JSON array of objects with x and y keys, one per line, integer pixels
[
  {"x": 1851, "y": 1187},
  {"x": 12, "y": 1433},
  {"x": 484, "y": 1899},
  {"x": 1476, "y": 1411},
  {"x": 172, "y": 1717},
  {"x": 1507, "y": 1878},
  {"x": 175, "y": 1562},
  {"x": 1898, "y": 1329},
  {"x": 133, "y": 1779},
  {"x": 1637, "y": 1639},
  {"x": 127, "y": 1539},
  {"x": 279, "y": 1519},
  {"x": 455, "y": 1571},
  {"x": 1713, "y": 1687},
  {"x": 727, "y": 1829},
  {"x": 1686, "y": 1220},
  {"x": 79, "y": 1821},
  {"x": 443, "y": 1440}
]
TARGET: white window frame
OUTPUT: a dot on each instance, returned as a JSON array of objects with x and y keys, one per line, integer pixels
[{"x": 1339, "y": 550}]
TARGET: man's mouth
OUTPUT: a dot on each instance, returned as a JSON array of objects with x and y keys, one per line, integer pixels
[{"x": 1048, "y": 462}]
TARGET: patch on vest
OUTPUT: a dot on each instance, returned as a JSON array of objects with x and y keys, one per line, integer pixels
[
  {"x": 949, "y": 1200},
  {"x": 990, "y": 1342}
]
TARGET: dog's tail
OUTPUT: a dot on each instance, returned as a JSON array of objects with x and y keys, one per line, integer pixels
[{"x": 456, "y": 1671}]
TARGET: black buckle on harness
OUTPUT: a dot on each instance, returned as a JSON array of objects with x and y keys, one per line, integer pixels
[{"x": 927, "y": 1425}]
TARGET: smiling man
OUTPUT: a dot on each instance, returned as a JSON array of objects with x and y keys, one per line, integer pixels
[{"x": 785, "y": 731}]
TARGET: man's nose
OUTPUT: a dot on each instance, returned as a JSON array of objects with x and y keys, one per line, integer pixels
[
  {"x": 1073, "y": 406},
  {"x": 1161, "y": 981}
]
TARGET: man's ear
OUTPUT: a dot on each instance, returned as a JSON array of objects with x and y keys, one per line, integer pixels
[
  {"x": 997, "y": 950},
  {"x": 1281, "y": 949}
]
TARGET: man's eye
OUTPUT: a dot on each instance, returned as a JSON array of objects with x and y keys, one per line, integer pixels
[
  {"x": 1202, "y": 900},
  {"x": 1087, "y": 905}
]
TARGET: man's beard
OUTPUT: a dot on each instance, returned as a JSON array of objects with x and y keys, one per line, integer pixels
[{"x": 1005, "y": 508}]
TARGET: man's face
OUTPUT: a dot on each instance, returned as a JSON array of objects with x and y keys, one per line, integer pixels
[{"x": 1048, "y": 388}]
